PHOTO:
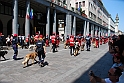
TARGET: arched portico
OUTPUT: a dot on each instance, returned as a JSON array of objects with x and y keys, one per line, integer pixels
[{"x": 1, "y": 26}]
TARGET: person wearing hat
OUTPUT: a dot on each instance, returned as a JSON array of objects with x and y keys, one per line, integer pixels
[
  {"x": 72, "y": 45},
  {"x": 15, "y": 46},
  {"x": 117, "y": 60},
  {"x": 53, "y": 41},
  {"x": 97, "y": 41},
  {"x": 41, "y": 50}
]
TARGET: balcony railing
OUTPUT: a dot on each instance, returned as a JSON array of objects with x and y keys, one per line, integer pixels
[{"x": 64, "y": 5}]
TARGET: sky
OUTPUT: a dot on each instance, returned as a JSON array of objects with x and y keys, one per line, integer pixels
[{"x": 113, "y": 7}]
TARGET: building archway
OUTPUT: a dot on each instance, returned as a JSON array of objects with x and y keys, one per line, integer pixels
[
  {"x": 1, "y": 26},
  {"x": 9, "y": 27},
  {"x": 31, "y": 29}
]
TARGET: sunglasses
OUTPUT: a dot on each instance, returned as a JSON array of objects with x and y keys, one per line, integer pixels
[{"x": 110, "y": 74}]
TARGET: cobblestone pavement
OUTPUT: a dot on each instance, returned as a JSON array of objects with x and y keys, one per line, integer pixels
[{"x": 62, "y": 67}]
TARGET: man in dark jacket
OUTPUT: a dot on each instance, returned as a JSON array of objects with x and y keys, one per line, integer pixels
[
  {"x": 15, "y": 46},
  {"x": 40, "y": 49},
  {"x": 88, "y": 42}
]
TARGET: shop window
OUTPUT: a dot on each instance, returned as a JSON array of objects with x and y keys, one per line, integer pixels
[
  {"x": 1, "y": 8},
  {"x": 19, "y": 13},
  {"x": 6, "y": 10},
  {"x": 23, "y": 13},
  {"x": 10, "y": 11}
]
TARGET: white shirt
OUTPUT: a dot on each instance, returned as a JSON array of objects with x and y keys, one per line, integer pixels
[
  {"x": 109, "y": 81},
  {"x": 121, "y": 78},
  {"x": 116, "y": 65},
  {"x": 7, "y": 39}
]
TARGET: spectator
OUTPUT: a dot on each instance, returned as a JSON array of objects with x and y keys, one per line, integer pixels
[
  {"x": 117, "y": 60},
  {"x": 114, "y": 74}
]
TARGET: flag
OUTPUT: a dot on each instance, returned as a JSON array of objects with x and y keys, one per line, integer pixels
[
  {"x": 27, "y": 14},
  {"x": 31, "y": 14}
]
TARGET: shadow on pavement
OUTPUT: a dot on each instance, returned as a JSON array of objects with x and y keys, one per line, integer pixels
[
  {"x": 100, "y": 68},
  {"x": 45, "y": 63},
  {"x": 30, "y": 64},
  {"x": 19, "y": 58},
  {"x": 5, "y": 60},
  {"x": 4, "y": 82}
]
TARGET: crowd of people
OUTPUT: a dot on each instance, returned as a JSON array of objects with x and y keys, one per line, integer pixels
[
  {"x": 75, "y": 43},
  {"x": 115, "y": 43},
  {"x": 116, "y": 72}
]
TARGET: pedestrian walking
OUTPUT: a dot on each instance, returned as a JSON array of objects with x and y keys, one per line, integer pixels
[
  {"x": 88, "y": 42},
  {"x": 41, "y": 50},
  {"x": 15, "y": 46},
  {"x": 72, "y": 45}
]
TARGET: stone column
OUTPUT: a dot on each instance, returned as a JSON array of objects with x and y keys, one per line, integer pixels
[
  {"x": 74, "y": 26},
  {"x": 48, "y": 22},
  {"x": 27, "y": 19},
  {"x": 85, "y": 25},
  {"x": 15, "y": 17},
  {"x": 96, "y": 28},
  {"x": 68, "y": 25},
  {"x": 99, "y": 32},
  {"x": 54, "y": 21},
  {"x": 92, "y": 30},
  {"x": 87, "y": 32}
]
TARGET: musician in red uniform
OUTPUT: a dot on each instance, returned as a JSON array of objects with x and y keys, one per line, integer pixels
[
  {"x": 82, "y": 43},
  {"x": 97, "y": 41},
  {"x": 72, "y": 45},
  {"x": 47, "y": 41},
  {"x": 27, "y": 41},
  {"x": 36, "y": 37},
  {"x": 79, "y": 40},
  {"x": 53, "y": 41}
]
